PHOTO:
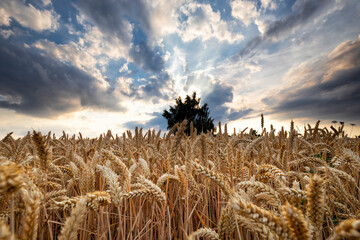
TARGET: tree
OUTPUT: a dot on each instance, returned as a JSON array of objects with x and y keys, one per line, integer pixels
[{"x": 191, "y": 110}]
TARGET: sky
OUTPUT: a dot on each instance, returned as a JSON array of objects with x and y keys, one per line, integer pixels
[{"x": 90, "y": 66}]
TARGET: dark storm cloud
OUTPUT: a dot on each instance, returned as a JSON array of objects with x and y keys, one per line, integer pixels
[
  {"x": 147, "y": 58},
  {"x": 153, "y": 87},
  {"x": 334, "y": 93},
  {"x": 158, "y": 122},
  {"x": 302, "y": 12},
  {"x": 234, "y": 115},
  {"x": 151, "y": 61},
  {"x": 340, "y": 97},
  {"x": 221, "y": 93},
  {"x": 41, "y": 86},
  {"x": 111, "y": 16}
]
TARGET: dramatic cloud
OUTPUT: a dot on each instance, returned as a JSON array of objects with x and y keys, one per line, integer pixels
[
  {"x": 147, "y": 58},
  {"x": 65, "y": 61},
  {"x": 332, "y": 93},
  {"x": 111, "y": 16},
  {"x": 203, "y": 23},
  {"x": 302, "y": 12},
  {"x": 153, "y": 62},
  {"x": 27, "y": 15},
  {"x": 117, "y": 22},
  {"x": 220, "y": 94},
  {"x": 70, "y": 52},
  {"x": 41, "y": 86}
]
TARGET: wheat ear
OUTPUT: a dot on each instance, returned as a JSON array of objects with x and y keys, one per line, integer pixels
[
  {"x": 267, "y": 171},
  {"x": 96, "y": 199},
  {"x": 32, "y": 201},
  {"x": 349, "y": 229},
  {"x": 5, "y": 233},
  {"x": 296, "y": 222},
  {"x": 112, "y": 179},
  {"x": 291, "y": 193},
  {"x": 175, "y": 145},
  {"x": 250, "y": 210},
  {"x": 72, "y": 223},
  {"x": 257, "y": 227},
  {"x": 164, "y": 178},
  {"x": 11, "y": 179},
  {"x": 227, "y": 223},
  {"x": 215, "y": 177},
  {"x": 120, "y": 165},
  {"x": 263, "y": 188},
  {"x": 42, "y": 149},
  {"x": 316, "y": 205},
  {"x": 155, "y": 191},
  {"x": 144, "y": 193},
  {"x": 204, "y": 233}
]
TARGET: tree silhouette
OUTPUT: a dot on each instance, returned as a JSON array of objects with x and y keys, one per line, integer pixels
[{"x": 191, "y": 110}]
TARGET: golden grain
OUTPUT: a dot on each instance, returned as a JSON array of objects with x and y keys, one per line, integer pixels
[{"x": 145, "y": 186}]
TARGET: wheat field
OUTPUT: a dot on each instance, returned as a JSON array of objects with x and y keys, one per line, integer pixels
[{"x": 148, "y": 185}]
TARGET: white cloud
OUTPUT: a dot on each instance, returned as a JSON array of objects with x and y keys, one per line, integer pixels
[
  {"x": 261, "y": 25},
  {"x": 268, "y": 4},
  {"x": 178, "y": 62},
  {"x": 124, "y": 85},
  {"x": 124, "y": 68},
  {"x": 27, "y": 15},
  {"x": 204, "y": 24},
  {"x": 46, "y": 2},
  {"x": 82, "y": 55},
  {"x": 91, "y": 52},
  {"x": 164, "y": 16},
  {"x": 97, "y": 43},
  {"x": 244, "y": 10},
  {"x": 4, "y": 17},
  {"x": 70, "y": 52}
]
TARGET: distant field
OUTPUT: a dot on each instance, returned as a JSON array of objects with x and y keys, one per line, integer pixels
[{"x": 148, "y": 185}]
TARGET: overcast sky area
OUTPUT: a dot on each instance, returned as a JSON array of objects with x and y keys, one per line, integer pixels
[{"x": 94, "y": 65}]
